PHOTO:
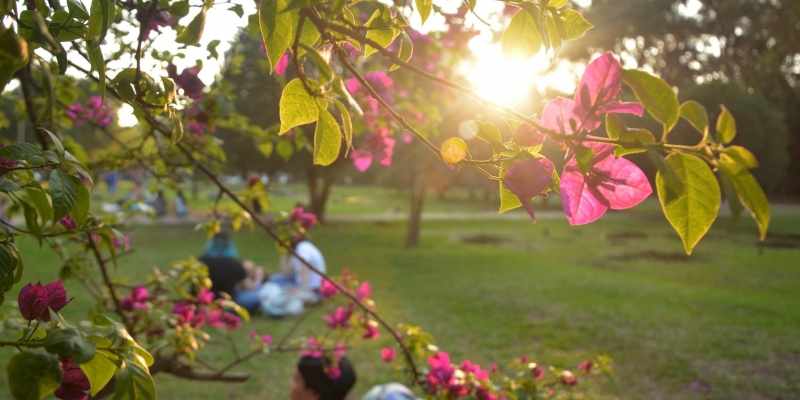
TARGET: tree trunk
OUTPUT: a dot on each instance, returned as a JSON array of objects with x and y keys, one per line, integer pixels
[
  {"x": 415, "y": 217},
  {"x": 318, "y": 195}
]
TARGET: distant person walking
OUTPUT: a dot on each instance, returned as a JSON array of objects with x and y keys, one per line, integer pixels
[{"x": 181, "y": 207}]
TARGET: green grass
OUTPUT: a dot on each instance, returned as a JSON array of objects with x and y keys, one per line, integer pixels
[{"x": 726, "y": 317}]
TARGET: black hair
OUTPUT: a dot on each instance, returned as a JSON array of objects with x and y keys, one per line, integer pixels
[{"x": 316, "y": 378}]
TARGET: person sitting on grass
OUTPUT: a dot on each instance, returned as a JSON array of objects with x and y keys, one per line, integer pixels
[
  {"x": 316, "y": 378},
  {"x": 241, "y": 281}
]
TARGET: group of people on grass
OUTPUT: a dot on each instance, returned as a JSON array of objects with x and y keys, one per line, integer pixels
[{"x": 285, "y": 294}]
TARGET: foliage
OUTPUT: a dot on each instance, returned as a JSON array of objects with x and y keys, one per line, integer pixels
[{"x": 177, "y": 116}]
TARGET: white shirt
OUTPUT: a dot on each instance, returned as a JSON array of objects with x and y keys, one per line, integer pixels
[{"x": 307, "y": 251}]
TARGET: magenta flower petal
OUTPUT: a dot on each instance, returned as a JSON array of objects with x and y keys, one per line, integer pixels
[
  {"x": 526, "y": 136},
  {"x": 283, "y": 63},
  {"x": 57, "y": 298},
  {"x": 364, "y": 291},
  {"x": 620, "y": 183},
  {"x": 563, "y": 116},
  {"x": 580, "y": 204},
  {"x": 32, "y": 301},
  {"x": 601, "y": 82},
  {"x": 388, "y": 354},
  {"x": 623, "y": 108},
  {"x": 74, "y": 382},
  {"x": 296, "y": 214},
  {"x": 528, "y": 179}
]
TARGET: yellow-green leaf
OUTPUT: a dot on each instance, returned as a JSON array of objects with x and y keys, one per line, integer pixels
[
  {"x": 454, "y": 150},
  {"x": 101, "y": 368},
  {"x": 726, "y": 126},
  {"x": 521, "y": 38},
  {"x": 424, "y": 7},
  {"x": 327, "y": 139},
  {"x": 742, "y": 156},
  {"x": 574, "y": 24},
  {"x": 692, "y": 211},
  {"x": 655, "y": 94},
  {"x": 696, "y": 114},
  {"x": 297, "y": 107},
  {"x": 347, "y": 125},
  {"x": 749, "y": 192},
  {"x": 276, "y": 30},
  {"x": 508, "y": 200}
]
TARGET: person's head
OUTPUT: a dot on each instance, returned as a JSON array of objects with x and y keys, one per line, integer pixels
[
  {"x": 220, "y": 246},
  {"x": 311, "y": 381}
]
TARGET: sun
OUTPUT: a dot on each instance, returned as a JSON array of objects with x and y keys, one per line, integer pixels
[{"x": 502, "y": 80}]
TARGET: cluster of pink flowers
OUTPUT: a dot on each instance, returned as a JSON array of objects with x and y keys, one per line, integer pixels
[
  {"x": 610, "y": 182},
  {"x": 187, "y": 80},
  {"x": 377, "y": 145},
  {"x": 34, "y": 300},
  {"x": 265, "y": 339},
  {"x": 94, "y": 112},
  {"x": 306, "y": 220},
  {"x": 313, "y": 348},
  {"x": 199, "y": 121},
  {"x": 138, "y": 298},
  {"x": 5, "y": 163},
  {"x": 207, "y": 312}
]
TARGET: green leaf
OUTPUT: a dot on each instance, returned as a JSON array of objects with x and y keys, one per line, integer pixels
[
  {"x": 557, "y": 3},
  {"x": 454, "y": 150},
  {"x": 584, "y": 156},
  {"x": 285, "y": 149},
  {"x": 726, "y": 126},
  {"x": 276, "y": 29},
  {"x": 693, "y": 211},
  {"x": 655, "y": 94},
  {"x": 101, "y": 368},
  {"x": 19, "y": 151},
  {"x": 33, "y": 374},
  {"x": 266, "y": 148},
  {"x": 347, "y": 124},
  {"x": 13, "y": 52},
  {"x": 696, "y": 114},
  {"x": 488, "y": 132},
  {"x": 327, "y": 139},
  {"x": 30, "y": 221},
  {"x": 70, "y": 342},
  {"x": 99, "y": 18},
  {"x": 238, "y": 10},
  {"x": 48, "y": 86},
  {"x": 508, "y": 200},
  {"x": 554, "y": 29},
  {"x": 636, "y": 137},
  {"x": 134, "y": 383},
  {"x": 297, "y": 107},
  {"x": 64, "y": 194},
  {"x": 98, "y": 64},
  {"x": 742, "y": 156},
  {"x": 522, "y": 37},
  {"x": 380, "y": 31},
  {"x": 8, "y": 186},
  {"x": 424, "y": 7},
  {"x": 68, "y": 29},
  {"x": 339, "y": 88},
  {"x": 192, "y": 33},
  {"x": 734, "y": 204},
  {"x": 77, "y": 10},
  {"x": 406, "y": 50},
  {"x": 179, "y": 9},
  {"x": 81, "y": 210},
  {"x": 40, "y": 201},
  {"x": 749, "y": 192},
  {"x": 325, "y": 72},
  {"x": 574, "y": 24},
  {"x": 59, "y": 146}
]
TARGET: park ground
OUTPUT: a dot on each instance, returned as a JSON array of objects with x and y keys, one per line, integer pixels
[{"x": 720, "y": 324}]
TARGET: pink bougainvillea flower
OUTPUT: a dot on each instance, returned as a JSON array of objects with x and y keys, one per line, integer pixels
[
  {"x": 371, "y": 332},
  {"x": 388, "y": 354},
  {"x": 68, "y": 223},
  {"x": 495, "y": 368},
  {"x": 307, "y": 221},
  {"x": 56, "y": 298},
  {"x": 523, "y": 359},
  {"x": 611, "y": 182},
  {"x": 599, "y": 87},
  {"x": 377, "y": 146},
  {"x": 526, "y": 136},
  {"x": 334, "y": 372},
  {"x": 267, "y": 339},
  {"x": 159, "y": 20},
  {"x": 74, "y": 383},
  {"x": 585, "y": 365},
  {"x": 563, "y": 116},
  {"x": 364, "y": 291},
  {"x": 205, "y": 296},
  {"x": 187, "y": 80},
  {"x": 125, "y": 244},
  {"x": 537, "y": 372},
  {"x": 253, "y": 334},
  {"x": 338, "y": 351},
  {"x": 95, "y": 112},
  {"x": 283, "y": 63},
  {"x": 484, "y": 394},
  {"x": 441, "y": 371},
  {"x": 568, "y": 378},
  {"x": 528, "y": 179},
  {"x": 32, "y": 301},
  {"x": 296, "y": 214},
  {"x": 327, "y": 289},
  {"x": 340, "y": 317},
  {"x": 468, "y": 367},
  {"x": 312, "y": 348},
  {"x": 457, "y": 389}
]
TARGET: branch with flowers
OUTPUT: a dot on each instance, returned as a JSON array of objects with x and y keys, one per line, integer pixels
[{"x": 163, "y": 319}]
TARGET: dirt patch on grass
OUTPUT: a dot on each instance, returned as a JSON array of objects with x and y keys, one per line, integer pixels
[
  {"x": 668, "y": 256},
  {"x": 782, "y": 241},
  {"x": 483, "y": 239}
]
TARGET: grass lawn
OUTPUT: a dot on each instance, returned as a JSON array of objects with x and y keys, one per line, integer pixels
[{"x": 726, "y": 317}]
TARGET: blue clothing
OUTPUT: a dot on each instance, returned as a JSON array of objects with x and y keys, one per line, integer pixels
[
  {"x": 249, "y": 299},
  {"x": 216, "y": 248},
  {"x": 283, "y": 280}
]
